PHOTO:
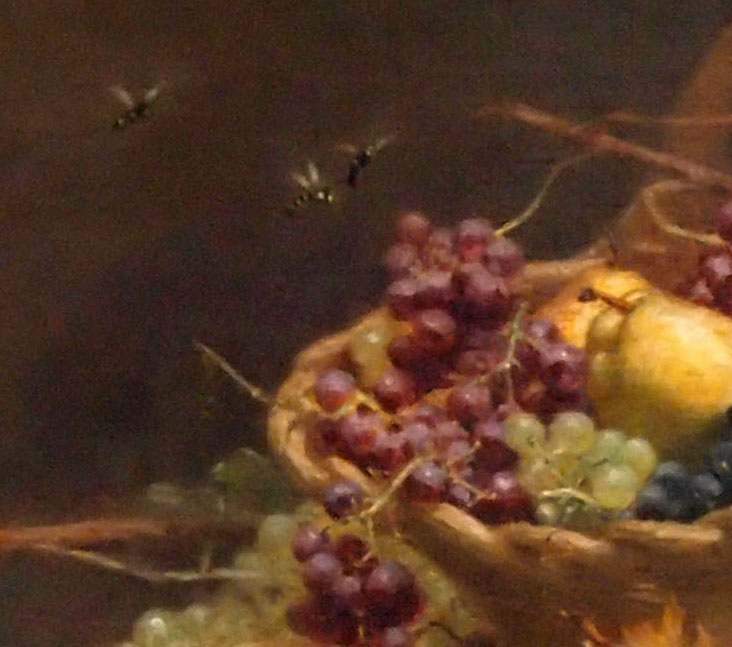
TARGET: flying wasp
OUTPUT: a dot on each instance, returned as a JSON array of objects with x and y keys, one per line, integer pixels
[
  {"x": 134, "y": 110},
  {"x": 313, "y": 190},
  {"x": 360, "y": 159}
]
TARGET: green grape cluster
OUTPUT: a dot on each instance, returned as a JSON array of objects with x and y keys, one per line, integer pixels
[
  {"x": 249, "y": 610},
  {"x": 579, "y": 476},
  {"x": 253, "y": 610}
]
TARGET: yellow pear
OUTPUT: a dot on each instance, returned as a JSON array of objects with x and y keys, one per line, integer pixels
[{"x": 660, "y": 367}]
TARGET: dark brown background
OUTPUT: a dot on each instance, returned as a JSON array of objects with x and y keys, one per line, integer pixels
[{"x": 119, "y": 248}]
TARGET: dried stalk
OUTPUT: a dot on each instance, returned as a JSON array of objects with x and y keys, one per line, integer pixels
[{"x": 598, "y": 140}]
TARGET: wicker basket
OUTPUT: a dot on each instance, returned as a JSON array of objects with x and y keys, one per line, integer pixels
[{"x": 524, "y": 576}]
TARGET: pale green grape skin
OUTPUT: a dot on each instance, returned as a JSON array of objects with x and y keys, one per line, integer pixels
[
  {"x": 547, "y": 513},
  {"x": 537, "y": 475},
  {"x": 368, "y": 352},
  {"x": 608, "y": 445},
  {"x": 276, "y": 531},
  {"x": 525, "y": 434},
  {"x": 571, "y": 432},
  {"x": 614, "y": 486},
  {"x": 639, "y": 454}
]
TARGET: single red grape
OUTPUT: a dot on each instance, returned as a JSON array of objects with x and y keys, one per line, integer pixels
[
  {"x": 426, "y": 483},
  {"x": 395, "y": 389},
  {"x": 472, "y": 238},
  {"x": 308, "y": 541},
  {"x": 413, "y": 228},
  {"x": 503, "y": 257},
  {"x": 434, "y": 289},
  {"x": 401, "y": 296},
  {"x": 435, "y": 331},
  {"x": 357, "y": 433},
  {"x": 333, "y": 388},
  {"x": 401, "y": 260},
  {"x": 342, "y": 499},
  {"x": 470, "y": 402},
  {"x": 320, "y": 571}
]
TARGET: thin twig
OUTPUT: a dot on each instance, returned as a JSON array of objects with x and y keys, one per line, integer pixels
[
  {"x": 534, "y": 205},
  {"x": 624, "y": 117},
  {"x": 82, "y": 533},
  {"x": 154, "y": 577},
  {"x": 254, "y": 391},
  {"x": 599, "y": 140},
  {"x": 395, "y": 484}
]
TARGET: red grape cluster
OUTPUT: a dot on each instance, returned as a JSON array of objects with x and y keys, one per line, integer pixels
[
  {"x": 712, "y": 286},
  {"x": 354, "y": 598},
  {"x": 457, "y": 293}
]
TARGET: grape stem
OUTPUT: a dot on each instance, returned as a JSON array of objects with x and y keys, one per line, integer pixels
[
  {"x": 536, "y": 203},
  {"x": 509, "y": 361},
  {"x": 251, "y": 389},
  {"x": 395, "y": 484}
]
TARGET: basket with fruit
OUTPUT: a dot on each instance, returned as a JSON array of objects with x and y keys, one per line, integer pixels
[{"x": 564, "y": 453}]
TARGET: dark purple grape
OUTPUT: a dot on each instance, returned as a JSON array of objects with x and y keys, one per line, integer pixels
[
  {"x": 448, "y": 432},
  {"x": 350, "y": 549},
  {"x": 487, "y": 295},
  {"x": 395, "y": 389},
  {"x": 434, "y": 289},
  {"x": 398, "y": 636},
  {"x": 723, "y": 220},
  {"x": 413, "y": 228},
  {"x": 308, "y": 541},
  {"x": 438, "y": 251},
  {"x": 717, "y": 270},
  {"x": 435, "y": 331},
  {"x": 493, "y": 454},
  {"x": 391, "y": 595},
  {"x": 507, "y": 501},
  {"x": 305, "y": 619},
  {"x": 357, "y": 432},
  {"x": 457, "y": 453},
  {"x": 470, "y": 403},
  {"x": 346, "y": 593},
  {"x": 431, "y": 414},
  {"x": 564, "y": 369},
  {"x": 480, "y": 337},
  {"x": 475, "y": 362},
  {"x": 707, "y": 492},
  {"x": 333, "y": 389},
  {"x": 401, "y": 260},
  {"x": 503, "y": 257},
  {"x": 401, "y": 296},
  {"x": 472, "y": 238},
  {"x": 418, "y": 436},
  {"x": 426, "y": 483},
  {"x": 654, "y": 503},
  {"x": 459, "y": 495},
  {"x": 320, "y": 571},
  {"x": 405, "y": 352},
  {"x": 391, "y": 451},
  {"x": 342, "y": 499}
]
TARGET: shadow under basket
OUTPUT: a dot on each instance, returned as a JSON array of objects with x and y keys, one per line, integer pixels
[{"x": 523, "y": 577}]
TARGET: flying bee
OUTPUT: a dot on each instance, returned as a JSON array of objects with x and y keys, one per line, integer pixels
[
  {"x": 134, "y": 110},
  {"x": 360, "y": 159},
  {"x": 313, "y": 190}
]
